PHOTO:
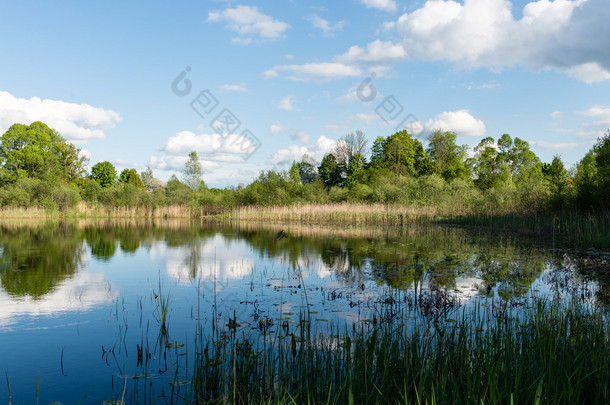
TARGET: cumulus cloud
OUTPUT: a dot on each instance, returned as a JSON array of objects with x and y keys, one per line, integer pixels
[
  {"x": 287, "y": 103},
  {"x": 277, "y": 129},
  {"x": 570, "y": 36},
  {"x": 322, "y": 146},
  {"x": 76, "y": 122},
  {"x": 460, "y": 122},
  {"x": 248, "y": 21},
  {"x": 324, "y": 25},
  {"x": 376, "y": 52},
  {"x": 376, "y": 57},
  {"x": 209, "y": 147},
  {"x": 383, "y": 5},
  {"x": 315, "y": 71}
]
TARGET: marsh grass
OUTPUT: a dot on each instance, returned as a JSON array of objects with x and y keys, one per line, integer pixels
[
  {"x": 546, "y": 354},
  {"x": 578, "y": 228}
]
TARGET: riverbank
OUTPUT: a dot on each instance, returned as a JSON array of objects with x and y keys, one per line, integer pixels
[{"x": 583, "y": 229}]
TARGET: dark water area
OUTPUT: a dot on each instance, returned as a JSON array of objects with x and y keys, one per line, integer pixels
[{"x": 98, "y": 311}]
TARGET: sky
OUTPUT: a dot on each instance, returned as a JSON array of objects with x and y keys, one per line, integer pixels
[{"x": 255, "y": 85}]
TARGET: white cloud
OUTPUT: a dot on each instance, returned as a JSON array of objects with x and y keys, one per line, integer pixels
[
  {"x": 324, "y": 25},
  {"x": 300, "y": 136},
  {"x": 557, "y": 115},
  {"x": 209, "y": 147},
  {"x": 376, "y": 52},
  {"x": 248, "y": 21},
  {"x": 234, "y": 87},
  {"x": 287, "y": 103},
  {"x": 459, "y": 121},
  {"x": 589, "y": 72},
  {"x": 176, "y": 163},
  {"x": 315, "y": 71},
  {"x": 597, "y": 111},
  {"x": 322, "y": 146},
  {"x": 277, "y": 129},
  {"x": 557, "y": 145},
  {"x": 366, "y": 119},
  {"x": 76, "y": 122},
  {"x": 383, "y": 5},
  {"x": 569, "y": 36}
]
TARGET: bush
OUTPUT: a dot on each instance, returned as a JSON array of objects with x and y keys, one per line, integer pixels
[{"x": 65, "y": 197}]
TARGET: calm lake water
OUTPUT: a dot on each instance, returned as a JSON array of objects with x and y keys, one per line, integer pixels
[{"x": 81, "y": 303}]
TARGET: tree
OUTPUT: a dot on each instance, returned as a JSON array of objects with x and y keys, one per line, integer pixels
[
  {"x": 294, "y": 173},
  {"x": 557, "y": 177},
  {"x": 350, "y": 145},
  {"x": 193, "y": 172},
  {"x": 131, "y": 176},
  {"x": 37, "y": 151},
  {"x": 104, "y": 173},
  {"x": 307, "y": 169},
  {"x": 602, "y": 161},
  {"x": 449, "y": 158},
  {"x": 587, "y": 180},
  {"x": 355, "y": 170},
  {"x": 331, "y": 171}
]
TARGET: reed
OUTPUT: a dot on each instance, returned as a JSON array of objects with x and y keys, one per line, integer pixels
[{"x": 548, "y": 354}]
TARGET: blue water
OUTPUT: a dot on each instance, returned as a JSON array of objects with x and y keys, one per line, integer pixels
[{"x": 80, "y": 337}]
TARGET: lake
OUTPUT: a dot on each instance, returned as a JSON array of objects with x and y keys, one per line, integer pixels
[{"x": 95, "y": 311}]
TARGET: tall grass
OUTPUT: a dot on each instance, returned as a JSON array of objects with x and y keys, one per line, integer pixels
[{"x": 546, "y": 355}]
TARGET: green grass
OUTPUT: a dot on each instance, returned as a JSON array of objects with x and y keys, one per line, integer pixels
[{"x": 548, "y": 354}]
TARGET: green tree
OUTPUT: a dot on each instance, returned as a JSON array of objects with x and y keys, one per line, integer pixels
[
  {"x": 294, "y": 173},
  {"x": 104, "y": 173},
  {"x": 307, "y": 169},
  {"x": 488, "y": 164},
  {"x": 602, "y": 162},
  {"x": 131, "y": 176},
  {"x": 177, "y": 192},
  {"x": 558, "y": 180},
  {"x": 400, "y": 153},
  {"x": 449, "y": 158},
  {"x": 193, "y": 172},
  {"x": 355, "y": 170},
  {"x": 37, "y": 151},
  {"x": 587, "y": 180},
  {"x": 331, "y": 171}
]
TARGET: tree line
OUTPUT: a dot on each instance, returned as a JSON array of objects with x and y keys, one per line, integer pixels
[{"x": 38, "y": 167}]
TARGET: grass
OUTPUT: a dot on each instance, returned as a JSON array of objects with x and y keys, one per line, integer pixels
[
  {"x": 548, "y": 354},
  {"x": 582, "y": 228}
]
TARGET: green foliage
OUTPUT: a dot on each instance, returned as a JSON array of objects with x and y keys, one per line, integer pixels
[
  {"x": 449, "y": 158},
  {"x": 355, "y": 170},
  {"x": 39, "y": 152},
  {"x": 104, "y": 173},
  {"x": 331, "y": 171},
  {"x": 558, "y": 180},
  {"x": 602, "y": 161},
  {"x": 131, "y": 176},
  {"x": 193, "y": 172},
  {"x": 178, "y": 193}
]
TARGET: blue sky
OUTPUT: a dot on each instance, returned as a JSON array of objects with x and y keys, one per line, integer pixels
[{"x": 102, "y": 74}]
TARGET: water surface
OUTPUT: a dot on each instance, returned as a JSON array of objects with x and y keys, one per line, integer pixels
[{"x": 79, "y": 300}]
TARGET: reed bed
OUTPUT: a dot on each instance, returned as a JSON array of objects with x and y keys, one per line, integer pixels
[
  {"x": 550, "y": 354},
  {"x": 342, "y": 213}
]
